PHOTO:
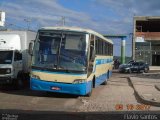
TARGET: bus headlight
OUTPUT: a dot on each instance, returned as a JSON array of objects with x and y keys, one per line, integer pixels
[{"x": 77, "y": 81}]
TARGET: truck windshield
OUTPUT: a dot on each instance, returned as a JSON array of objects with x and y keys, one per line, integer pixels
[
  {"x": 60, "y": 51},
  {"x": 6, "y": 57}
]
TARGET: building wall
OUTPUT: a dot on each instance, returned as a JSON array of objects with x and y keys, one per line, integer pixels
[{"x": 146, "y": 40}]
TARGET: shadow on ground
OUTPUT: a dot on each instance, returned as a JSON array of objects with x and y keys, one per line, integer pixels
[{"x": 27, "y": 92}]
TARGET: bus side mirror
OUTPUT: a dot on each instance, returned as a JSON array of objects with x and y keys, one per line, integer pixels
[{"x": 30, "y": 49}]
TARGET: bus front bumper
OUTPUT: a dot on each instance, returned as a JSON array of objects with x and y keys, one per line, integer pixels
[{"x": 77, "y": 89}]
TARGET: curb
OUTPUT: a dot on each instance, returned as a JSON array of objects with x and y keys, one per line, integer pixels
[
  {"x": 158, "y": 88},
  {"x": 154, "y": 71},
  {"x": 141, "y": 98}
]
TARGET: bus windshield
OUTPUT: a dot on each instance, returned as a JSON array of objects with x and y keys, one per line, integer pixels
[
  {"x": 60, "y": 51},
  {"x": 6, "y": 57}
]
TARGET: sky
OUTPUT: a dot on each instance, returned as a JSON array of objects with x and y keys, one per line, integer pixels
[{"x": 103, "y": 16}]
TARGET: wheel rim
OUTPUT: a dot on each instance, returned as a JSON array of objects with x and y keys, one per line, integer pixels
[
  {"x": 129, "y": 70},
  {"x": 146, "y": 69}
]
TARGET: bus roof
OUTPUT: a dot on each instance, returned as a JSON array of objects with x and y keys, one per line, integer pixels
[{"x": 78, "y": 30}]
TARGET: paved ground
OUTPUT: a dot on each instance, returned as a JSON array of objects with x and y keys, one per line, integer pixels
[
  {"x": 157, "y": 87},
  {"x": 154, "y": 68},
  {"x": 38, "y": 101},
  {"x": 147, "y": 88},
  {"x": 118, "y": 91},
  {"x": 117, "y": 95},
  {"x": 105, "y": 98}
]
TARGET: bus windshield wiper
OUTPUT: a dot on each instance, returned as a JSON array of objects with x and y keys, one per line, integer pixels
[{"x": 63, "y": 69}]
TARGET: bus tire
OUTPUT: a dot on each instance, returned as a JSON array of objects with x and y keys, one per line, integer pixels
[
  {"x": 94, "y": 82},
  {"x": 108, "y": 75},
  {"x": 105, "y": 82}
]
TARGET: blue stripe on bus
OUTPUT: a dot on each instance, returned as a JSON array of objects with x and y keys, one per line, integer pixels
[
  {"x": 100, "y": 79},
  {"x": 103, "y": 61},
  {"x": 64, "y": 73},
  {"x": 77, "y": 89}
]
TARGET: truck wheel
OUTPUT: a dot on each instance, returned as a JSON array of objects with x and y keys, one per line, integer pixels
[{"x": 19, "y": 82}]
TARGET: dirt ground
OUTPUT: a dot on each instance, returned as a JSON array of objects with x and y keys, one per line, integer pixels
[{"x": 117, "y": 95}]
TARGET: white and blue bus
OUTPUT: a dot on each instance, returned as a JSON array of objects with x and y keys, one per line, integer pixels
[{"x": 70, "y": 60}]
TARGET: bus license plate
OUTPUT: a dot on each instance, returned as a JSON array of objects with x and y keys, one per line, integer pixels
[{"x": 55, "y": 88}]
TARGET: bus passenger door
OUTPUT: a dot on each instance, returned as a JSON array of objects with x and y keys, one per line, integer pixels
[{"x": 91, "y": 55}]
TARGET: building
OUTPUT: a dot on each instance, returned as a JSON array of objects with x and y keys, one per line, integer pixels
[
  {"x": 146, "y": 40},
  {"x": 2, "y": 18}
]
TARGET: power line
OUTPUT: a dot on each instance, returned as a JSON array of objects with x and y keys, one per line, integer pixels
[{"x": 63, "y": 21}]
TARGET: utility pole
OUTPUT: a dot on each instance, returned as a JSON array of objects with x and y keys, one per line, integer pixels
[
  {"x": 2, "y": 18},
  {"x": 28, "y": 21},
  {"x": 63, "y": 21},
  {"x": 131, "y": 37}
]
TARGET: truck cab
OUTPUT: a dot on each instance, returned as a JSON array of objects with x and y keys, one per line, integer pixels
[
  {"x": 15, "y": 61},
  {"x": 10, "y": 65}
]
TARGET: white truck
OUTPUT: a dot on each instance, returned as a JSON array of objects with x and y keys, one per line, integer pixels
[{"x": 14, "y": 58}]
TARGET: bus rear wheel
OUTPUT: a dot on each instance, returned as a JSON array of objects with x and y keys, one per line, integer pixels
[{"x": 105, "y": 82}]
